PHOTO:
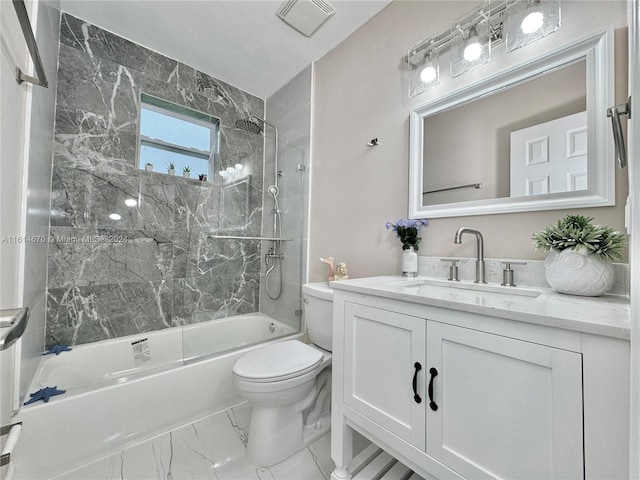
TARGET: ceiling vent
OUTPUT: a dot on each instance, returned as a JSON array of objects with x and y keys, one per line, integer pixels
[{"x": 305, "y": 15}]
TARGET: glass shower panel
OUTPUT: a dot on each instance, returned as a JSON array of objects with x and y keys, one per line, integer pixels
[
  {"x": 232, "y": 257},
  {"x": 292, "y": 201}
]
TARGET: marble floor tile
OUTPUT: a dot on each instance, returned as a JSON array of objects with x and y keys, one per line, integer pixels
[
  {"x": 321, "y": 452},
  {"x": 212, "y": 448},
  {"x": 301, "y": 466},
  {"x": 105, "y": 469}
]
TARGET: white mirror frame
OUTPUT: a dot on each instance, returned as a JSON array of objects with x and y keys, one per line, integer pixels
[{"x": 598, "y": 49}]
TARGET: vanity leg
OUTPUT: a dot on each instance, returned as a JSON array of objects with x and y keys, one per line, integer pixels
[
  {"x": 340, "y": 473},
  {"x": 341, "y": 446},
  {"x": 341, "y": 433}
]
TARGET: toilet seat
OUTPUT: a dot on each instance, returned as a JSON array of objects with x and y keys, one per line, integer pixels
[{"x": 278, "y": 362}]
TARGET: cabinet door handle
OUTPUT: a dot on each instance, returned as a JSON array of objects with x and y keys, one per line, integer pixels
[
  {"x": 434, "y": 374},
  {"x": 416, "y": 397}
]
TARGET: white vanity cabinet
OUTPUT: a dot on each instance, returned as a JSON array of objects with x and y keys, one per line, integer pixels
[
  {"x": 454, "y": 394},
  {"x": 503, "y": 408},
  {"x": 387, "y": 354}
]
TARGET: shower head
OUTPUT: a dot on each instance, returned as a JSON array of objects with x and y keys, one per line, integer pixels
[{"x": 248, "y": 126}]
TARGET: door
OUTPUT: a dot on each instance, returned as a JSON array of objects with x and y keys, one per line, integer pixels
[
  {"x": 503, "y": 408},
  {"x": 550, "y": 157},
  {"x": 384, "y": 362}
]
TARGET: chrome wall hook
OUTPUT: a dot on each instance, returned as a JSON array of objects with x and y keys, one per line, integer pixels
[{"x": 373, "y": 142}]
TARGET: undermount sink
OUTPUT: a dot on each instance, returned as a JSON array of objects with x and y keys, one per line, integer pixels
[{"x": 424, "y": 283}]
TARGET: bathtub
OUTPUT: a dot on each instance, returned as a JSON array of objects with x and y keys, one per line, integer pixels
[{"x": 124, "y": 391}]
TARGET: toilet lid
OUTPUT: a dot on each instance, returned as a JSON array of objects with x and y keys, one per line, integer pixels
[{"x": 278, "y": 361}]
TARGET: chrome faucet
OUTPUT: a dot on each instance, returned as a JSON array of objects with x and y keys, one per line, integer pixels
[{"x": 479, "y": 251}]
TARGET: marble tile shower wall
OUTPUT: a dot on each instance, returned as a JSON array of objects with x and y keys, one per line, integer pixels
[{"x": 155, "y": 267}]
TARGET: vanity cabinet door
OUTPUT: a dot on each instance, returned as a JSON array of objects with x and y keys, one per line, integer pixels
[
  {"x": 383, "y": 361},
  {"x": 506, "y": 408}
]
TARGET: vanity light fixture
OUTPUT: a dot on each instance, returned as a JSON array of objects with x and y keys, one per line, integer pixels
[
  {"x": 473, "y": 35},
  {"x": 530, "y": 20},
  {"x": 472, "y": 51},
  {"x": 424, "y": 66},
  {"x": 473, "y": 48},
  {"x": 430, "y": 72},
  {"x": 471, "y": 40}
]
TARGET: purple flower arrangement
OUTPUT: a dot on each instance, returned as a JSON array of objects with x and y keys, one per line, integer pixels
[{"x": 407, "y": 231}]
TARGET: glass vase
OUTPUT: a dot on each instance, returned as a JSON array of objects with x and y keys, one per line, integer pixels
[{"x": 409, "y": 262}]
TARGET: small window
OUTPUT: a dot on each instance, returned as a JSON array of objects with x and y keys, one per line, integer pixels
[{"x": 170, "y": 133}]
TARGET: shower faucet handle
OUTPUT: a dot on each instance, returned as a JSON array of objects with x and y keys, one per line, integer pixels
[
  {"x": 453, "y": 268},
  {"x": 273, "y": 254}
]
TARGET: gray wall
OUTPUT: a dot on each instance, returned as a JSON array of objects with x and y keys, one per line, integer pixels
[{"x": 154, "y": 268}]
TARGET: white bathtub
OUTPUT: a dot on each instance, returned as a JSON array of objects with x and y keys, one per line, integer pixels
[{"x": 124, "y": 391}]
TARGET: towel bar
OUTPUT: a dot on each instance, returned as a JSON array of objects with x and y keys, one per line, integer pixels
[
  {"x": 14, "y": 432},
  {"x": 238, "y": 237},
  {"x": 14, "y": 321},
  {"x": 23, "y": 18},
  {"x": 474, "y": 185}
]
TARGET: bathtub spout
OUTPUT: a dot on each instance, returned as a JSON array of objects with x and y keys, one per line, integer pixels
[{"x": 323, "y": 397}]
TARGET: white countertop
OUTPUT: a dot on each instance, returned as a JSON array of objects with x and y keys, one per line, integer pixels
[{"x": 607, "y": 315}]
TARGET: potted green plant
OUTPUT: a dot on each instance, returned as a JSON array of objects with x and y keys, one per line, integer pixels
[
  {"x": 171, "y": 168},
  {"x": 186, "y": 171},
  {"x": 579, "y": 255},
  {"x": 148, "y": 167}
]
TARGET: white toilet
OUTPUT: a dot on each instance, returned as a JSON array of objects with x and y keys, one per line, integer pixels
[{"x": 289, "y": 385}]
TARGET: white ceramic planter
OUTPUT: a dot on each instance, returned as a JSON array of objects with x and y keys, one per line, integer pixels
[{"x": 578, "y": 273}]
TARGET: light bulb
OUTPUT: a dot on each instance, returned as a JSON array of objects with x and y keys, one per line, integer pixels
[
  {"x": 532, "y": 22},
  {"x": 115, "y": 216},
  {"x": 130, "y": 202},
  {"x": 428, "y": 73},
  {"x": 231, "y": 170},
  {"x": 239, "y": 166},
  {"x": 473, "y": 50}
]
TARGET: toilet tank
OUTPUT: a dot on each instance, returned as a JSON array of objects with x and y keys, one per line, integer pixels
[{"x": 318, "y": 313}]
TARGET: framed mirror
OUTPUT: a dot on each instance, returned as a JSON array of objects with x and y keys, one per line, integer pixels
[{"x": 533, "y": 137}]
